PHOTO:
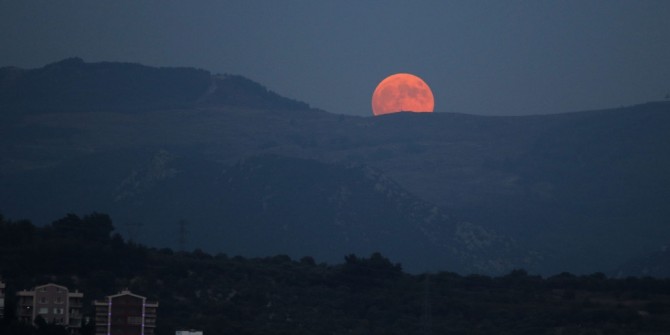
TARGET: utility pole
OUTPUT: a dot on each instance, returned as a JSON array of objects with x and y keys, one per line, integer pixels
[
  {"x": 182, "y": 234},
  {"x": 427, "y": 317}
]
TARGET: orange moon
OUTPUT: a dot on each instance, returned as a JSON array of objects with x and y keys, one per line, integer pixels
[{"x": 402, "y": 92}]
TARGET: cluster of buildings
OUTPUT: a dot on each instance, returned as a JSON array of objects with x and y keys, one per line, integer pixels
[{"x": 124, "y": 313}]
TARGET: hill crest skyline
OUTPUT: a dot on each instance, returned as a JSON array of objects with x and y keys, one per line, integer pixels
[{"x": 209, "y": 96}]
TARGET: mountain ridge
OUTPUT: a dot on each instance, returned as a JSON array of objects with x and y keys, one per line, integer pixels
[
  {"x": 74, "y": 85},
  {"x": 585, "y": 189}
]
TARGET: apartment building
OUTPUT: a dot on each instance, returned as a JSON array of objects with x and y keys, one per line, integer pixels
[
  {"x": 125, "y": 313},
  {"x": 54, "y": 303},
  {"x": 2, "y": 300}
]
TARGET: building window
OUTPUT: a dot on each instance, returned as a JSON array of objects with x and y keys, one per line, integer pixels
[
  {"x": 134, "y": 320},
  {"x": 43, "y": 300},
  {"x": 59, "y": 300},
  {"x": 43, "y": 310},
  {"x": 59, "y": 311}
]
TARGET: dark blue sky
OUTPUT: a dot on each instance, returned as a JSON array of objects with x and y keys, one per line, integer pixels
[{"x": 479, "y": 57}]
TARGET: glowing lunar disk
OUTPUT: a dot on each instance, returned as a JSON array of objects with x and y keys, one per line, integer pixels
[{"x": 402, "y": 92}]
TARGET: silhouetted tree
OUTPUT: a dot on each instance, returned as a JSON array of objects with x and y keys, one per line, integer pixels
[{"x": 94, "y": 227}]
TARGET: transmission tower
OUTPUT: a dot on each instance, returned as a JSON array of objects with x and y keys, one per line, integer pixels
[{"x": 133, "y": 229}]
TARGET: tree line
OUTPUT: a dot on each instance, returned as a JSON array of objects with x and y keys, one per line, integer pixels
[{"x": 222, "y": 294}]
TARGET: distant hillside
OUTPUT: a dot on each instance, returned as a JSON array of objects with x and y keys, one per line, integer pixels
[
  {"x": 267, "y": 205},
  {"x": 586, "y": 190},
  {"x": 275, "y": 204},
  {"x": 73, "y": 85},
  {"x": 653, "y": 264},
  {"x": 238, "y": 91}
]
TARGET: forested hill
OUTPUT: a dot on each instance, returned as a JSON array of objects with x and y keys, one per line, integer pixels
[{"x": 277, "y": 295}]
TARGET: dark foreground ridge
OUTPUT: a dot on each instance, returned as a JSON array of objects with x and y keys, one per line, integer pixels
[{"x": 277, "y": 295}]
